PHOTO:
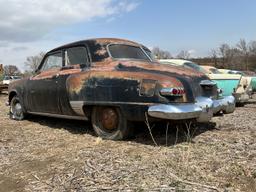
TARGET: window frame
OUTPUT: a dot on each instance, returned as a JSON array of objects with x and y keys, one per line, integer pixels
[
  {"x": 140, "y": 47},
  {"x": 41, "y": 66},
  {"x": 65, "y": 53}
]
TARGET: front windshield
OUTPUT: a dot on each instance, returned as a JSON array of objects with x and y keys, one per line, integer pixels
[
  {"x": 195, "y": 67},
  {"x": 121, "y": 51}
]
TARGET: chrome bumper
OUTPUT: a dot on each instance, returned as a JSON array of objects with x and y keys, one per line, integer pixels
[
  {"x": 227, "y": 105},
  {"x": 202, "y": 110},
  {"x": 241, "y": 97}
]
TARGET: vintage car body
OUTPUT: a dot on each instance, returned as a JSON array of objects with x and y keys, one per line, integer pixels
[
  {"x": 253, "y": 82},
  {"x": 243, "y": 89},
  {"x": 248, "y": 81},
  {"x": 113, "y": 82},
  {"x": 229, "y": 84}
]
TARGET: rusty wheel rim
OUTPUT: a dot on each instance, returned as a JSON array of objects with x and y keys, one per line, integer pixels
[{"x": 109, "y": 119}]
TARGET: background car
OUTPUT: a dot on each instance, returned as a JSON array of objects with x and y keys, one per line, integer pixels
[
  {"x": 228, "y": 83},
  {"x": 8, "y": 79},
  {"x": 248, "y": 79}
]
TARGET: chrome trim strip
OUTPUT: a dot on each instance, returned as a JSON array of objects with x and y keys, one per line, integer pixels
[
  {"x": 59, "y": 116},
  {"x": 82, "y": 103},
  {"x": 77, "y": 106}
]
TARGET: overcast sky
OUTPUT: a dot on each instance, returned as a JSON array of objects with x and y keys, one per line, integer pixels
[{"x": 28, "y": 27}]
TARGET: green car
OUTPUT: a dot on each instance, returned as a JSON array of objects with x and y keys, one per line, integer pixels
[
  {"x": 253, "y": 83},
  {"x": 229, "y": 84},
  {"x": 250, "y": 76},
  {"x": 249, "y": 79}
]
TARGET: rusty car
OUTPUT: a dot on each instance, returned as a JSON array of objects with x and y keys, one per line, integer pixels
[{"x": 113, "y": 82}]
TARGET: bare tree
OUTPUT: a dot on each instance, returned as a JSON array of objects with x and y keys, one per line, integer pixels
[
  {"x": 244, "y": 49},
  {"x": 223, "y": 49},
  {"x": 1, "y": 68},
  {"x": 32, "y": 62},
  {"x": 183, "y": 55},
  {"x": 11, "y": 70},
  {"x": 252, "y": 48},
  {"x": 214, "y": 56},
  {"x": 161, "y": 54}
]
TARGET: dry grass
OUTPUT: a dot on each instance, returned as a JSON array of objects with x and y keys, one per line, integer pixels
[{"x": 47, "y": 154}]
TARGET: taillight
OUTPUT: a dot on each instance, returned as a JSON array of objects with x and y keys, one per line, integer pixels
[{"x": 175, "y": 91}]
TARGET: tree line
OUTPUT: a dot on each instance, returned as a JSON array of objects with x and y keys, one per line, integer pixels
[{"x": 241, "y": 56}]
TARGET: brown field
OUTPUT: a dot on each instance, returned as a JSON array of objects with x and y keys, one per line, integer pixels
[{"x": 47, "y": 154}]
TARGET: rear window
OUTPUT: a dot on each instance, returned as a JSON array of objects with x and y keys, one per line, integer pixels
[
  {"x": 195, "y": 67},
  {"x": 119, "y": 51},
  {"x": 215, "y": 71}
]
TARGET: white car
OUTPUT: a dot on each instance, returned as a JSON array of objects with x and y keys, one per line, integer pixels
[{"x": 8, "y": 79}]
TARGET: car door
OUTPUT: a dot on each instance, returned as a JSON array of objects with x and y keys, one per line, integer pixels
[
  {"x": 76, "y": 60},
  {"x": 42, "y": 88}
]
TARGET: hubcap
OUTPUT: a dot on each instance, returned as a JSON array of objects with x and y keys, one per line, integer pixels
[
  {"x": 17, "y": 109},
  {"x": 109, "y": 119}
]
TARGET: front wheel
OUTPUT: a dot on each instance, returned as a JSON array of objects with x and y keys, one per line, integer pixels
[
  {"x": 110, "y": 123},
  {"x": 16, "y": 109}
]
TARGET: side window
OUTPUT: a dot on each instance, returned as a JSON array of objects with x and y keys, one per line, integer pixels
[
  {"x": 76, "y": 55},
  {"x": 53, "y": 61}
]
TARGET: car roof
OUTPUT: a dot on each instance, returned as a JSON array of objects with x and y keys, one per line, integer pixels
[{"x": 96, "y": 41}]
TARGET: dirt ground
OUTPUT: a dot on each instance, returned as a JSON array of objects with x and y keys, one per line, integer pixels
[{"x": 47, "y": 154}]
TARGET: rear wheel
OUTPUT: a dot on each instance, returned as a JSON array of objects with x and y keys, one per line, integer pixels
[
  {"x": 16, "y": 109},
  {"x": 110, "y": 123}
]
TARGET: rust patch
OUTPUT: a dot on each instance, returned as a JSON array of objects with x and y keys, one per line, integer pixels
[
  {"x": 106, "y": 41},
  {"x": 147, "y": 87},
  {"x": 109, "y": 119},
  {"x": 46, "y": 74},
  {"x": 76, "y": 82},
  {"x": 101, "y": 52}
]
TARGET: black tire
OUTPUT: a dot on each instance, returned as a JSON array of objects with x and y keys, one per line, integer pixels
[
  {"x": 17, "y": 111},
  {"x": 110, "y": 123}
]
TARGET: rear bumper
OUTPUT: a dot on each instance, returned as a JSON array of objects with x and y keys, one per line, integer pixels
[
  {"x": 203, "y": 110},
  {"x": 226, "y": 104},
  {"x": 241, "y": 97}
]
